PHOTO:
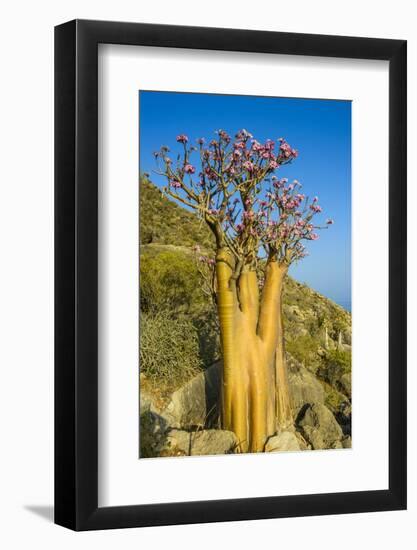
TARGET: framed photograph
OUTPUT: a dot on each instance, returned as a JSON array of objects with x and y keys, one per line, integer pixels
[{"x": 230, "y": 252}]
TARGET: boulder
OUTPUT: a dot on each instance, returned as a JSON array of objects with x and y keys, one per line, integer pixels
[
  {"x": 195, "y": 404},
  {"x": 305, "y": 388},
  {"x": 344, "y": 417},
  {"x": 201, "y": 442},
  {"x": 320, "y": 428},
  {"x": 345, "y": 383},
  {"x": 347, "y": 442},
  {"x": 145, "y": 402},
  {"x": 213, "y": 442},
  {"x": 284, "y": 441},
  {"x": 152, "y": 430}
]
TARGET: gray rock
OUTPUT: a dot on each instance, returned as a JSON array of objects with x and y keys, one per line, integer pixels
[
  {"x": 284, "y": 441},
  {"x": 347, "y": 336},
  {"x": 304, "y": 386},
  {"x": 145, "y": 402},
  {"x": 213, "y": 442},
  {"x": 175, "y": 443},
  {"x": 320, "y": 428},
  {"x": 346, "y": 384},
  {"x": 152, "y": 432},
  {"x": 195, "y": 404},
  {"x": 347, "y": 442},
  {"x": 203, "y": 442}
]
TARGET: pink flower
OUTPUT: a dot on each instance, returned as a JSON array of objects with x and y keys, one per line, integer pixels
[
  {"x": 273, "y": 164},
  {"x": 224, "y": 136},
  {"x": 175, "y": 183},
  {"x": 248, "y": 215},
  {"x": 239, "y": 145},
  {"x": 200, "y": 141},
  {"x": 313, "y": 236},
  {"x": 329, "y": 222},
  {"x": 210, "y": 174},
  {"x": 189, "y": 169},
  {"x": 249, "y": 166},
  {"x": 243, "y": 134},
  {"x": 182, "y": 138}
]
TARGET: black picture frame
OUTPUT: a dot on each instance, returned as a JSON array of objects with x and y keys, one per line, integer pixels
[{"x": 76, "y": 272}]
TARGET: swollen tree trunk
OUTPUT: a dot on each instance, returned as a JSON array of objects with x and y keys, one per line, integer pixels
[{"x": 255, "y": 397}]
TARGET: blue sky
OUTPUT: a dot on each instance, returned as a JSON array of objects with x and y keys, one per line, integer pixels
[{"x": 319, "y": 129}]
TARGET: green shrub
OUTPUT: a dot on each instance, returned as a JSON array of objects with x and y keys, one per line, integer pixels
[
  {"x": 304, "y": 348},
  {"x": 334, "y": 398},
  {"x": 336, "y": 363},
  {"x": 169, "y": 348},
  {"x": 170, "y": 284},
  {"x": 169, "y": 281},
  {"x": 162, "y": 221},
  {"x": 339, "y": 360}
]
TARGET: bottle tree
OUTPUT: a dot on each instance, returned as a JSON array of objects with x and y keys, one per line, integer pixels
[{"x": 259, "y": 222}]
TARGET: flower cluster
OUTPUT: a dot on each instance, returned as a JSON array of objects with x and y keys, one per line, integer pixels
[
  {"x": 279, "y": 222},
  {"x": 228, "y": 191}
]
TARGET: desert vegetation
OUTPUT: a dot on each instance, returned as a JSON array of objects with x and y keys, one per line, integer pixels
[{"x": 214, "y": 284}]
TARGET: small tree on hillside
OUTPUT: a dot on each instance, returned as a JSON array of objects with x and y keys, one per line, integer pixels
[{"x": 259, "y": 222}]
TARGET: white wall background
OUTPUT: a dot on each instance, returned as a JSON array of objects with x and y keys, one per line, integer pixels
[{"x": 26, "y": 286}]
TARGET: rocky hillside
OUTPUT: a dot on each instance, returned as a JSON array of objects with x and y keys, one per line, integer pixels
[
  {"x": 180, "y": 345},
  {"x": 164, "y": 222}
]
